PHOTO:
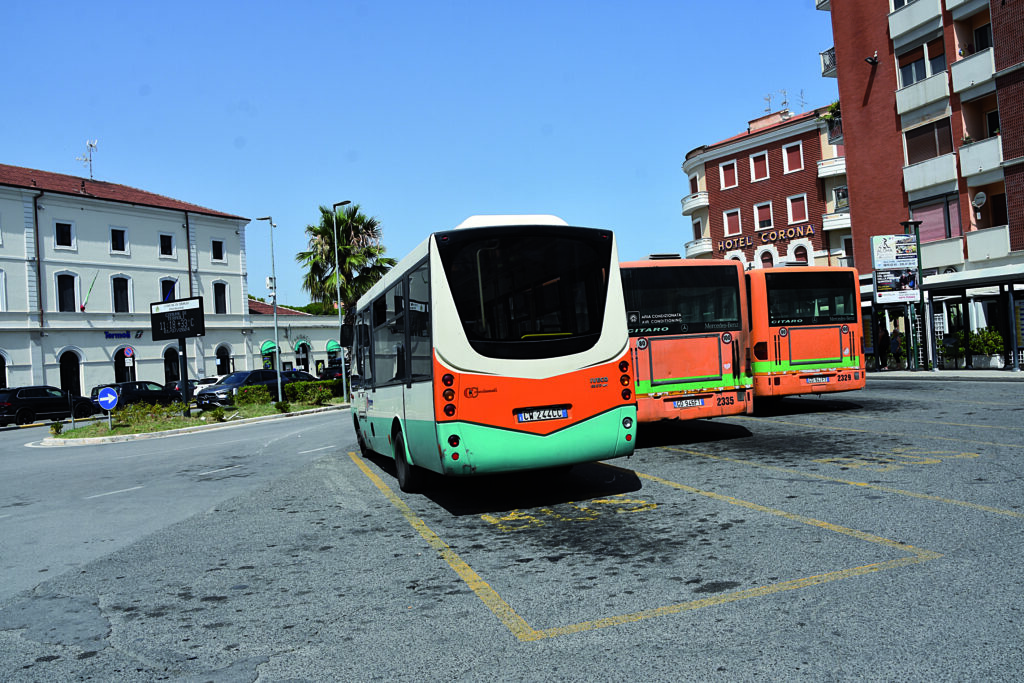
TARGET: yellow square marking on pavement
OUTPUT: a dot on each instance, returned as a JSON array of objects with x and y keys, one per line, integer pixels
[{"x": 524, "y": 632}]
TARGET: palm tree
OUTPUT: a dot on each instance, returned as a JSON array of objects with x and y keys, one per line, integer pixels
[{"x": 360, "y": 256}]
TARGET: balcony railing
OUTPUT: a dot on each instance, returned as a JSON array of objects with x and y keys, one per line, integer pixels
[
  {"x": 824, "y": 5},
  {"x": 981, "y": 162},
  {"x": 920, "y": 94},
  {"x": 693, "y": 202},
  {"x": 930, "y": 173},
  {"x": 914, "y": 20},
  {"x": 828, "y": 63},
  {"x": 975, "y": 75},
  {"x": 835, "y": 221},
  {"x": 699, "y": 247},
  {"x": 830, "y": 168},
  {"x": 835, "y": 131}
]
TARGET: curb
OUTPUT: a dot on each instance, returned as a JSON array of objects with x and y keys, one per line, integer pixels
[
  {"x": 94, "y": 440},
  {"x": 945, "y": 376}
]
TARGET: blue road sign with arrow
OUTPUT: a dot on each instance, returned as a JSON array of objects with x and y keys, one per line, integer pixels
[{"x": 107, "y": 398}]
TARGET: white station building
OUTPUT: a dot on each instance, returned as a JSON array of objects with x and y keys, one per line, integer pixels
[{"x": 82, "y": 260}]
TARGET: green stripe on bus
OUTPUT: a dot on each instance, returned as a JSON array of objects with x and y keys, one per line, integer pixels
[
  {"x": 646, "y": 387},
  {"x": 805, "y": 366}
]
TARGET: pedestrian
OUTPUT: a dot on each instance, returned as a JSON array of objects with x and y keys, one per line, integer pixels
[
  {"x": 882, "y": 348},
  {"x": 896, "y": 344}
]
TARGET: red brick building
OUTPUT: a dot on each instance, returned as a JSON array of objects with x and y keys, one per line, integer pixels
[
  {"x": 772, "y": 195},
  {"x": 931, "y": 94}
]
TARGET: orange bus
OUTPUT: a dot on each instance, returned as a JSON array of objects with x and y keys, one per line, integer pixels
[
  {"x": 688, "y": 335},
  {"x": 806, "y": 334}
]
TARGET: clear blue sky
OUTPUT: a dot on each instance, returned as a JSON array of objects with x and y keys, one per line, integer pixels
[{"x": 423, "y": 113}]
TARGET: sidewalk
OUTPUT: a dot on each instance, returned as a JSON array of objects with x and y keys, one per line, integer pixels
[{"x": 948, "y": 375}]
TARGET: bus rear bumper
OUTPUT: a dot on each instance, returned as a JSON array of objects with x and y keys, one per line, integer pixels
[{"x": 487, "y": 450}]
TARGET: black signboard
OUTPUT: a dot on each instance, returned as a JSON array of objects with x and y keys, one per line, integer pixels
[{"x": 177, "y": 319}]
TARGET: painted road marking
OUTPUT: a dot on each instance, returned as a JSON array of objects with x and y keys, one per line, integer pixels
[
  {"x": 222, "y": 469},
  {"x": 112, "y": 493},
  {"x": 861, "y": 484},
  {"x": 325, "y": 448},
  {"x": 517, "y": 520},
  {"x": 524, "y": 632}
]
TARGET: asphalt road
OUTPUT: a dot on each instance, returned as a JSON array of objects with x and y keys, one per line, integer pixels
[{"x": 872, "y": 535}]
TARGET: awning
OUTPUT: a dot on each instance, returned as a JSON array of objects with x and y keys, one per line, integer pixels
[
  {"x": 333, "y": 345},
  {"x": 299, "y": 344},
  {"x": 268, "y": 347}
]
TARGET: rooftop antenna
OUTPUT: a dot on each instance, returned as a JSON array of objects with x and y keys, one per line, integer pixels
[
  {"x": 768, "y": 99},
  {"x": 803, "y": 102},
  {"x": 86, "y": 158},
  {"x": 785, "y": 99}
]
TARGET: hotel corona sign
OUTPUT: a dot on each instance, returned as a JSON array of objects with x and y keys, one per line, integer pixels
[{"x": 765, "y": 237}]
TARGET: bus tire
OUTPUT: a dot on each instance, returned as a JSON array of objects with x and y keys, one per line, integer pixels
[
  {"x": 408, "y": 474},
  {"x": 364, "y": 450}
]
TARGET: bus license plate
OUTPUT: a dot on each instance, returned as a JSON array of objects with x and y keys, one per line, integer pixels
[
  {"x": 817, "y": 380},
  {"x": 688, "y": 403},
  {"x": 541, "y": 414}
]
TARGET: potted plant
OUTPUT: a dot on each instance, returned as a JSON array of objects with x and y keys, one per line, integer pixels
[{"x": 986, "y": 348}]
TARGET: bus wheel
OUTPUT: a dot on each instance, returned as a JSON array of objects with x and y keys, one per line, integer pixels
[
  {"x": 408, "y": 475},
  {"x": 364, "y": 450}
]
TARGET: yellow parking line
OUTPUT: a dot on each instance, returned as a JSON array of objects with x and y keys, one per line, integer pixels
[
  {"x": 483, "y": 590},
  {"x": 524, "y": 632},
  {"x": 860, "y": 484}
]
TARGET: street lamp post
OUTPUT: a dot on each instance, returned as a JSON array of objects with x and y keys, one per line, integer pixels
[
  {"x": 337, "y": 285},
  {"x": 273, "y": 294}
]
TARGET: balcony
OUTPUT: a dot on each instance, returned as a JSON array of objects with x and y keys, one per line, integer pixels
[
  {"x": 694, "y": 202},
  {"x": 976, "y": 75},
  {"x": 987, "y": 244},
  {"x": 830, "y": 168},
  {"x": 824, "y": 5},
  {"x": 914, "y": 21},
  {"x": 835, "y": 131},
  {"x": 982, "y": 162},
  {"x": 835, "y": 221},
  {"x": 942, "y": 254},
  {"x": 828, "y": 63},
  {"x": 965, "y": 8},
  {"x": 701, "y": 247},
  {"x": 929, "y": 174},
  {"x": 921, "y": 94}
]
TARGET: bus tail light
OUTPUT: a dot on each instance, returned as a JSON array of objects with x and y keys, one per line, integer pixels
[
  {"x": 624, "y": 366},
  {"x": 627, "y": 422},
  {"x": 454, "y": 441},
  {"x": 449, "y": 409},
  {"x": 761, "y": 351},
  {"x": 626, "y": 394}
]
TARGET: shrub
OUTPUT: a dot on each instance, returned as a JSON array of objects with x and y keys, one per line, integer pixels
[
  {"x": 56, "y": 428},
  {"x": 136, "y": 413},
  {"x": 253, "y": 395},
  {"x": 283, "y": 407},
  {"x": 986, "y": 342},
  {"x": 216, "y": 415}
]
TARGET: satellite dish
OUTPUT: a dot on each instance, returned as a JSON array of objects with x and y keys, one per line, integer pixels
[{"x": 979, "y": 200}]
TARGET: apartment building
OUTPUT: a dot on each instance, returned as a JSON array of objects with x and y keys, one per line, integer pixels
[
  {"x": 82, "y": 260},
  {"x": 931, "y": 96},
  {"x": 773, "y": 195}
]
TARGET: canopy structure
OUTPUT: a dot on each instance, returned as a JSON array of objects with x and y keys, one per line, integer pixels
[
  {"x": 268, "y": 347},
  {"x": 333, "y": 346}
]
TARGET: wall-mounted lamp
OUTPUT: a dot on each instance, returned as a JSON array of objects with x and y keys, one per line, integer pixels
[{"x": 872, "y": 60}]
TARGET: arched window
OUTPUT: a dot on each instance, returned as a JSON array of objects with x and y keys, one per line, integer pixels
[
  {"x": 223, "y": 360},
  {"x": 70, "y": 373},
  {"x": 766, "y": 259},
  {"x": 220, "y": 297},
  {"x": 800, "y": 254},
  {"x": 66, "y": 291},
  {"x": 121, "y": 293},
  {"x": 171, "y": 370}
]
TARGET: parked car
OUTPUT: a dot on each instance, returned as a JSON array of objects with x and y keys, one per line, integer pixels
[
  {"x": 207, "y": 381},
  {"x": 332, "y": 372},
  {"x": 176, "y": 386},
  {"x": 23, "y": 405},
  {"x": 137, "y": 392},
  {"x": 297, "y": 376},
  {"x": 222, "y": 394}
]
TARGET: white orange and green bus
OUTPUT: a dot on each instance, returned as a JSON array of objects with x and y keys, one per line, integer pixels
[
  {"x": 497, "y": 346},
  {"x": 806, "y": 335},
  {"x": 688, "y": 335}
]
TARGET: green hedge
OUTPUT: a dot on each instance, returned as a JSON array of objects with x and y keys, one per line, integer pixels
[
  {"x": 253, "y": 395},
  {"x": 317, "y": 393}
]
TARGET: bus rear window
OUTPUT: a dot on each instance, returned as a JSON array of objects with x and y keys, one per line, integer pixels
[
  {"x": 810, "y": 298},
  {"x": 528, "y": 291},
  {"x": 665, "y": 300}
]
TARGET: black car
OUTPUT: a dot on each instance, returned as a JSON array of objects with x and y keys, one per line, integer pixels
[
  {"x": 24, "y": 405},
  {"x": 138, "y": 392},
  {"x": 296, "y": 376},
  {"x": 222, "y": 393},
  {"x": 332, "y": 372},
  {"x": 176, "y": 386}
]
